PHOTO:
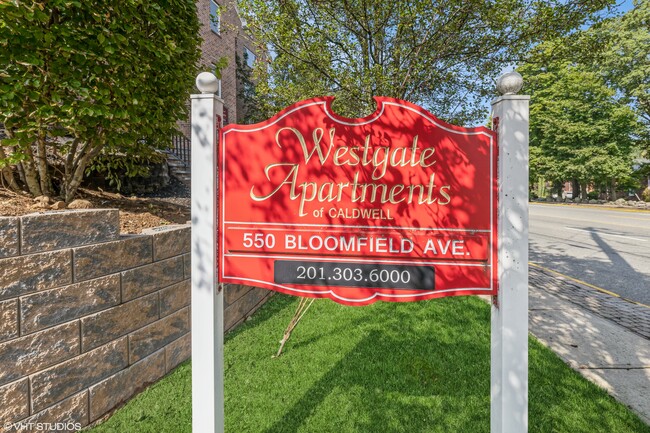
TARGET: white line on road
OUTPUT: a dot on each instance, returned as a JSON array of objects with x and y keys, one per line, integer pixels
[
  {"x": 610, "y": 222},
  {"x": 606, "y": 234}
]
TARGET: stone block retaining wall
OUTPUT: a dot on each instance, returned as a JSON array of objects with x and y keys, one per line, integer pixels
[{"x": 89, "y": 317}]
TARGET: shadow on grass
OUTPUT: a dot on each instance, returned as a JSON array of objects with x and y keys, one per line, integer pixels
[
  {"x": 420, "y": 367},
  {"x": 385, "y": 385},
  {"x": 397, "y": 368}
]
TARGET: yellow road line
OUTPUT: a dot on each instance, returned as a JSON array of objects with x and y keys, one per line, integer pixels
[{"x": 584, "y": 283}]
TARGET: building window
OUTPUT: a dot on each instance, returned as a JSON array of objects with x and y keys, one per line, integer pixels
[
  {"x": 215, "y": 17},
  {"x": 249, "y": 57}
]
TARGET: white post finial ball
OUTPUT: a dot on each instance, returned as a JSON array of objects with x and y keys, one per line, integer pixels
[
  {"x": 207, "y": 82},
  {"x": 510, "y": 83}
]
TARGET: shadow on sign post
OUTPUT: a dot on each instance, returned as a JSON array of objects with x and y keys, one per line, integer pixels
[{"x": 397, "y": 206}]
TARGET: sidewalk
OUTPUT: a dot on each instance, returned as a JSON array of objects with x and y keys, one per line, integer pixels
[{"x": 605, "y": 338}]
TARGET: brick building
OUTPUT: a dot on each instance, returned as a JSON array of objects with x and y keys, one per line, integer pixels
[{"x": 224, "y": 37}]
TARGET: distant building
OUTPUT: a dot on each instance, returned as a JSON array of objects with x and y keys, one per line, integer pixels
[{"x": 224, "y": 36}]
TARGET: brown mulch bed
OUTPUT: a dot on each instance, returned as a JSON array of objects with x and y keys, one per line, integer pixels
[{"x": 136, "y": 213}]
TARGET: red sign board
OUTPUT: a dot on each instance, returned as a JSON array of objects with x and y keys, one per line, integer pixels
[{"x": 396, "y": 206}]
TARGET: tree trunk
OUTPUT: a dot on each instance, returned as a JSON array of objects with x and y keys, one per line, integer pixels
[
  {"x": 72, "y": 182},
  {"x": 613, "y": 189},
  {"x": 9, "y": 179},
  {"x": 75, "y": 176},
  {"x": 31, "y": 175},
  {"x": 557, "y": 188},
  {"x": 69, "y": 160},
  {"x": 8, "y": 173},
  {"x": 21, "y": 173},
  {"x": 19, "y": 166},
  {"x": 575, "y": 188},
  {"x": 41, "y": 159},
  {"x": 583, "y": 191}
]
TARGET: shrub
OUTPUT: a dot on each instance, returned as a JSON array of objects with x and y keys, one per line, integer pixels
[{"x": 79, "y": 79}]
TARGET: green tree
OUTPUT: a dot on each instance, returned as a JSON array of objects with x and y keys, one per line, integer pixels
[
  {"x": 624, "y": 58},
  {"x": 83, "y": 78},
  {"x": 618, "y": 49},
  {"x": 580, "y": 128},
  {"x": 443, "y": 55}
]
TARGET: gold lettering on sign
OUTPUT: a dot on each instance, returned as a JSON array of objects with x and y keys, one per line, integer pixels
[{"x": 377, "y": 158}]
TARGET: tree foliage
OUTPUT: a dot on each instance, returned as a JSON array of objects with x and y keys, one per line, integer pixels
[
  {"x": 443, "y": 55},
  {"x": 618, "y": 49},
  {"x": 581, "y": 129},
  {"x": 624, "y": 59},
  {"x": 589, "y": 108},
  {"x": 81, "y": 78}
]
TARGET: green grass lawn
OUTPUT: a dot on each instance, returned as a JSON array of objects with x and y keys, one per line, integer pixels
[{"x": 416, "y": 367}]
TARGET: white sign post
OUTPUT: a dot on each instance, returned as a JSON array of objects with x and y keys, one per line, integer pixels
[
  {"x": 207, "y": 299},
  {"x": 509, "y": 358}
]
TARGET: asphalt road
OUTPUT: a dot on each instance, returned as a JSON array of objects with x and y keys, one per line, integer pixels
[{"x": 607, "y": 248}]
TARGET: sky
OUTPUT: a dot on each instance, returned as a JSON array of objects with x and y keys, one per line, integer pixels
[{"x": 625, "y": 6}]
